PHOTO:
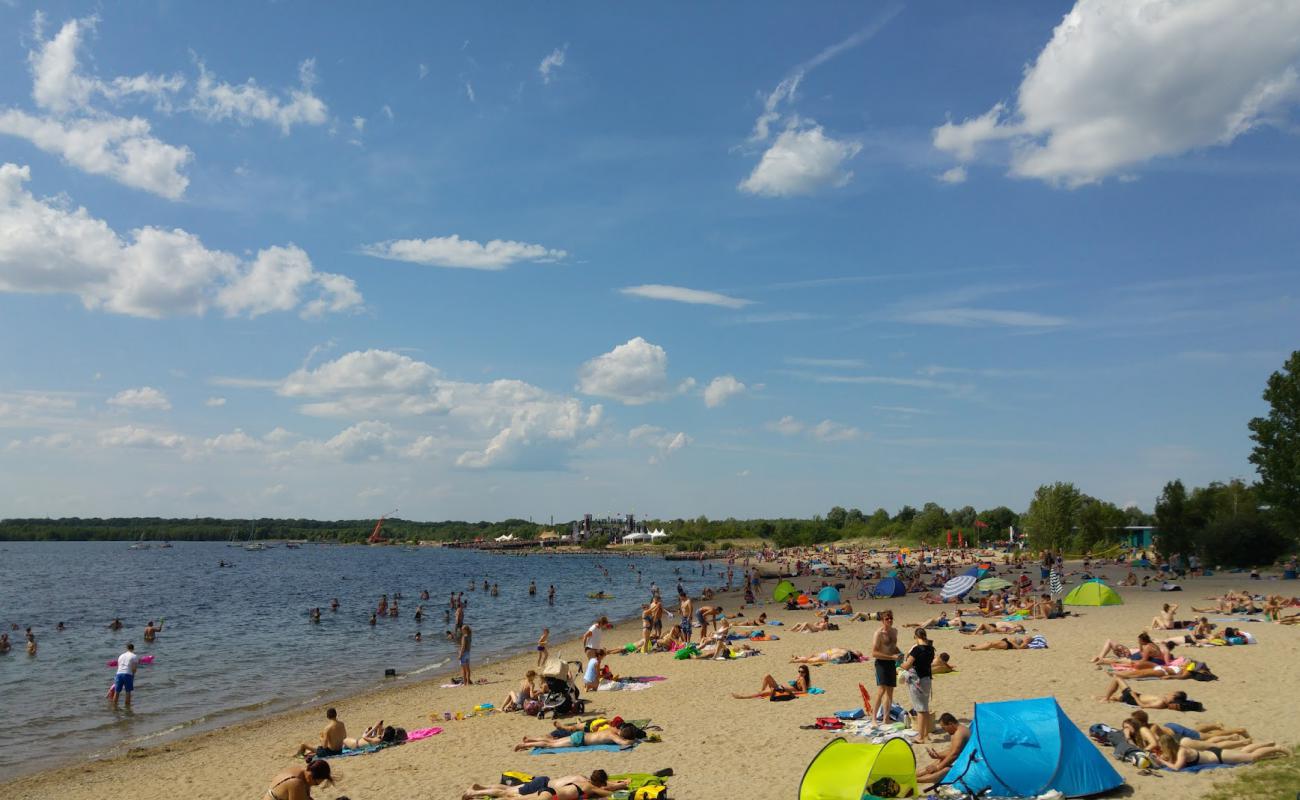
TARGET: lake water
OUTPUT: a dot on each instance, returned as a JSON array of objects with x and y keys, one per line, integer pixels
[{"x": 238, "y": 643}]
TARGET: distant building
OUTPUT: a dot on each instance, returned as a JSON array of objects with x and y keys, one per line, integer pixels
[
  {"x": 613, "y": 528},
  {"x": 1140, "y": 537}
]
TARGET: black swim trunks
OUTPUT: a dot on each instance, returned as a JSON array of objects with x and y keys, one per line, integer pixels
[
  {"x": 325, "y": 752},
  {"x": 536, "y": 785},
  {"x": 1126, "y": 696},
  {"x": 886, "y": 672}
]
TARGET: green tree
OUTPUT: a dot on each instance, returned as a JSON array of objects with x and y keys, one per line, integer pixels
[
  {"x": 998, "y": 519},
  {"x": 930, "y": 523},
  {"x": 1277, "y": 442},
  {"x": 836, "y": 517},
  {"x": 905, "y": 515},
  {"x": 1099, "y": 523},
  {"x": 856, "y": 517},
  {"x": 1177, "y": 526},
  {"x": 1052, "y": 515},
  {"x": 1242, "y": 541},
  {"x": 964, "y": 517}
]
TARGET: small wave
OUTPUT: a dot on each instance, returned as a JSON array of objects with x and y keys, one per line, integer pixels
[{"x": 429, "y": 667}]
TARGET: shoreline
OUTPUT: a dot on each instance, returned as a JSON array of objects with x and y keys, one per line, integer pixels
[{"x": 307, "y": 713}]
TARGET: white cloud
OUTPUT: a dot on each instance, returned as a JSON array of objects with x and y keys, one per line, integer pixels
[
  {"x": 234, "y": 442},
  {"x": 633, "y": 373},
  {"x": 47, "y": 248},
  {"x": 981, "y": 317},
  {"x": 453, "y": 251},
  {"x": 134, "y": 436},
  {"x": 552, "y": 62},
  {"x": 359, "y": 124},
  {"x": 801, "y": 161},
  {"x": 830, "y": 363},
  {"x": 387, "y": 111},
  {"x": 665, "y": 443},
  {"x": 117, "y": 148},
  {"x": 364, "y": 441},
  {"x": 424, "y": 71},
  {"x": 59, "y": 87},
  {"x": 469, "y": 92},
  {"x": 680, "y": 294},
  {"x": 721, "y": 389},
  {"x": 1122, "y": 82},
  {"x": 146, "y": 397},
  {"x": 248, "y": 103},
  {"x": 215, "y": 402},
  {"x": 501, "y": 424},
  {"x": 827, "y": 431},
  {"x": 955, "y": 175},
  {"x": 786, "y": 426}
]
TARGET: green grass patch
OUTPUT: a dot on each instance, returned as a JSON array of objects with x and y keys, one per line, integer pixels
[{"x": 1276, "y": 779}]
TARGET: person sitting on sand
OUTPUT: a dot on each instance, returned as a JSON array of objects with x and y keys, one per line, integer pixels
[
  {"x": 331, "y": 737},
  {"x": 942, "y": 665},
  {"x": 625, "y": 737},
  {"x": 1148, "y": 653},
  {"x": 1011, "y": 643},
  {"x": 527, "y": 691},
  {"x": 1176, "y": 757},
  {"x": 295, "y": 783},
  {"x": 996, "y": 627},
  {"x": 570, "y": 787},
  {"x": 1129, "y": 580},
  {"x": 959, "y": 735},
  {"x": 771, "y": 688},
  {"x": 1164, "y": 621},
  {"x": 835, "y": 655},
  {"x": 1119, "y": 692}
]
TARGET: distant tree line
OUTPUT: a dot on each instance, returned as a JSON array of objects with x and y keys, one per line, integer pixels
[{"x": 216, "y": 529}]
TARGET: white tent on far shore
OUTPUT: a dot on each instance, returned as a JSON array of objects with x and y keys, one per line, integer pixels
[
  {"x": 635, "y": 537},
  {"x": 657, "y": 535}
]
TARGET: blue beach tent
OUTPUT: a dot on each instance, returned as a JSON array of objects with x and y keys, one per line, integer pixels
[
  {"x": 829, "y": 594},
  {"x": 890, "y": 587},
  {"x": 1024, "y": 748},
  {"x": 976, "y": 572}
]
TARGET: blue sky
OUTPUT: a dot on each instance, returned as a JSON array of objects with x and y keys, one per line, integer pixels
[{"x": 490, "y": 260}]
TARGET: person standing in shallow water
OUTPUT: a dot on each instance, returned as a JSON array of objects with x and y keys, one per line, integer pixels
[
  {"x": 124, "y": 681},
  {"x": 550, "y": 595}
]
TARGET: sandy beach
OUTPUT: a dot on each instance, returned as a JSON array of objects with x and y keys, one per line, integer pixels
[{"x": 717, "y": 746}]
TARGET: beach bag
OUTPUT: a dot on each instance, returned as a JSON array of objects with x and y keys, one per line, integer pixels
[
  {"x": 652, "y": 791},
  {"x": 828, "y": 723}
]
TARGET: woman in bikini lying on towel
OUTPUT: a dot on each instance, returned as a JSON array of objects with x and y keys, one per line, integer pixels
[{"x": 771, "y": 688}]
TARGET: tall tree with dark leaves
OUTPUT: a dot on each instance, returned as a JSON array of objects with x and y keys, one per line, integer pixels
[{"x": 1277, "y": 442}]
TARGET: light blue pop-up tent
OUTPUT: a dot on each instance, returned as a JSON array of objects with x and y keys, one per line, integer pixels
[
  {"x": 829, "y": 594},
  {"x": 890, "y": 587},
  {"x": 1024, "y": 748}
]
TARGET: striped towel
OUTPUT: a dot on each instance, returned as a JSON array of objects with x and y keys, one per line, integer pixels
[
  {"x": 1037, "y": 643},
  {"x": 1055, "y": 582}
]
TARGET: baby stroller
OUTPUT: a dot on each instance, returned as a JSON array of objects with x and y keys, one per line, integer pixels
[{"x": 562, "y": 696}]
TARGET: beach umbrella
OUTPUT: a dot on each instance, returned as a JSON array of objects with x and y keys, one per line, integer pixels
[
  {"x": 829, "y": 594},
  {"x": 957, "y": 587},
  {"x": 992, "y": 584}
]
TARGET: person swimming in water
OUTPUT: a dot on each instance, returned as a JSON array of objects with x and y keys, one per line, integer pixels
[
  {"x": 115, "y": 625},
  {"x": 532, "y": 588},
  {"x": 334, "y": 604},
  {"x": 151, "y": 631},
  {"x": 550, "y": 595}
]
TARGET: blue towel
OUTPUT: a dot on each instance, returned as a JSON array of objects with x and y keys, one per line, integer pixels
[
  {"x": 856, "y": 713},
  {"x": 586, "y": 748},
  {"x": 1200, "y": 767}
]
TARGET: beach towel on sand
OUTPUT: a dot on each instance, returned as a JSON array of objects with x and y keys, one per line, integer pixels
[{"x": 412, "y": 736}]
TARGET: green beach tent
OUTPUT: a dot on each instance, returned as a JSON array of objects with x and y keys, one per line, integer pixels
[
  {"x": 1093, "y": 593},
  {"x": 851, "y": 771},
  {"x": 783, "y": 590}
]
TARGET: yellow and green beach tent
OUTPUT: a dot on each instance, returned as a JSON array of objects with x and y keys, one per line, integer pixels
[
  {"x": 1093, "y": 593},
  {"x": 783, "y": 590},
  {"x": 852, "y": 771}
]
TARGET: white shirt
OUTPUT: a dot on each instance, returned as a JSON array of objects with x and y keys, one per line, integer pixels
[
  {"x": 593, "y": 642},
  {"x": 127, "y": 662}
]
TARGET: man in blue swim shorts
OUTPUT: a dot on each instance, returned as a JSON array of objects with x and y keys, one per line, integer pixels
[{"x": 124, "y": 681}]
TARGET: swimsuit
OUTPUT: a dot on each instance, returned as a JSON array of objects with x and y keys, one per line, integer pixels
[{"x": 271, "y": 794}]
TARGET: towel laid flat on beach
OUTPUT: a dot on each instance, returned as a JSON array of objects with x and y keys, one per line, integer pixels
[
  {"x": 412, "y": 736},
  {"x": 1202, "y": 767},
  {"x": 586, "y": 748},
  {"x": 622, "y": 686}
]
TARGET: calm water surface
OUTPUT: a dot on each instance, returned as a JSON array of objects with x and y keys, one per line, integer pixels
[{"x": 237, "y": 642}]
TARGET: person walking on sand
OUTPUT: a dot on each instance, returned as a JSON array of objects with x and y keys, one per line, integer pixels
[
  {"x": 591, "y": 639},
  {"x": 884, "y": 649},
  {"x": 465, "y": 641},
  {"x": 124, "y": 681},
  {"x": 542, "y": 642}
]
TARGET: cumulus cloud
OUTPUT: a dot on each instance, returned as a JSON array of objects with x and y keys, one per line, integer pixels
[
  {"x": 146, "y": 397},
  {"x": 59, "y": 86},
  {"x": 634, "y": 373},
  {"x": 500, "y": 424},
  {"x": 552, "y": 62},
  {"x": 135, "y": 436},
  {"x": 721, "y": 389},
  {"x": 1122, "y": 82},
  {"x": 47, "y": 247},
  {"x": 248, "y": 102},
  {"x": 824, "y": 431},
  {"x": 680, "y": 294},
  {"x": 664, "y": 443},
  {"x": 453, "y": 251},
  {"x": 801, "y": 161}
]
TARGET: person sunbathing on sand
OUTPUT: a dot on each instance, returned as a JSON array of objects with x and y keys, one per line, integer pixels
[
  {"x": 570, "y": 787},
  {"x": 1144, "y": 736},
  {"x": 624, "y": 737},
  {"x": 1119, "y": 692},
  {"x": 1148, "y": 653},
  {"x": 1166, "y": 673},
  {"x": 942, "y": 665},
  {"x": 997, "y": 627},
  {"x": 1012, "y": 643},
  {"x": 814, "y": 627},
  {"x": 835, "y": 655},
  {"x": 934, "y": 623},
  {"x": 771, "y": 688},
  {"x": 1170, "y": 754}
]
